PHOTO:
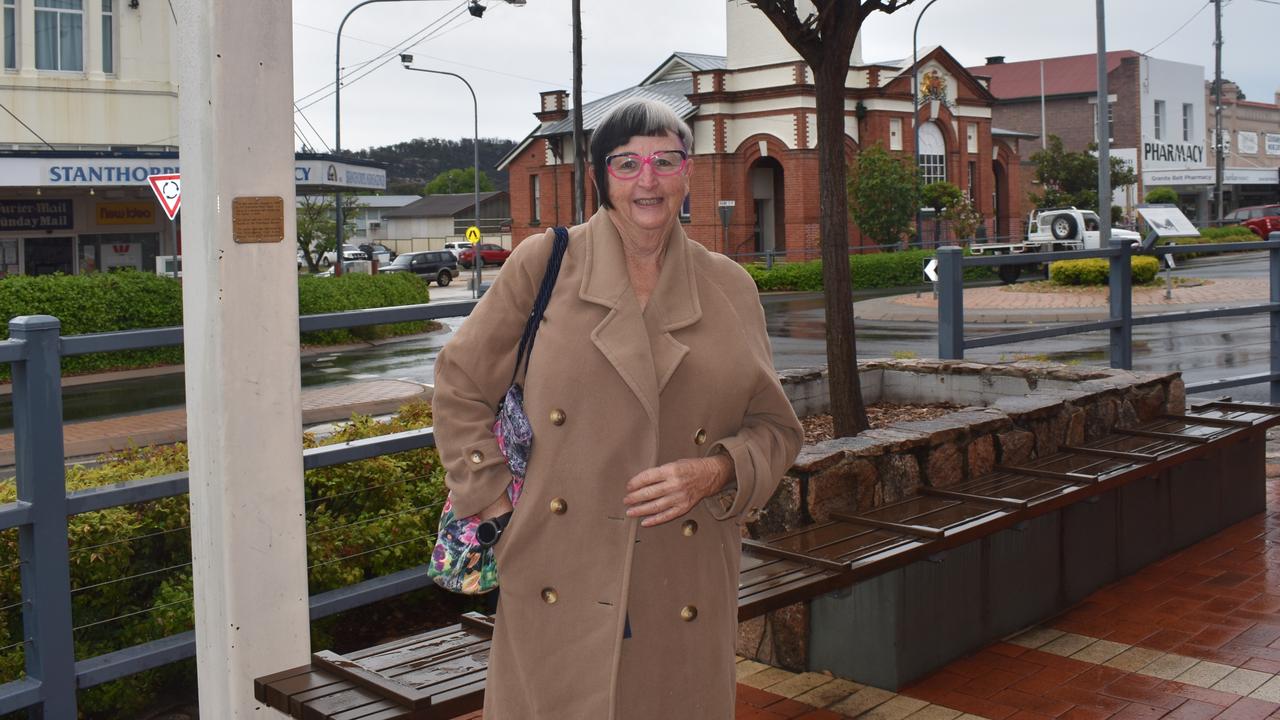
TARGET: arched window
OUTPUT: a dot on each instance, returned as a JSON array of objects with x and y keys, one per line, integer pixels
[{"x": 933, "y": 154}]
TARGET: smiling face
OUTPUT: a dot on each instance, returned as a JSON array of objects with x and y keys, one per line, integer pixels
[{"x": 648, "y": 202}]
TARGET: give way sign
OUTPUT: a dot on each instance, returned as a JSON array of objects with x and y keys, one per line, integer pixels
[{"x": 168, "y": 190}]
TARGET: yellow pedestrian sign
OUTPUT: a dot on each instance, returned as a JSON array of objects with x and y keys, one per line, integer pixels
[{"x": 473, "y": 234}]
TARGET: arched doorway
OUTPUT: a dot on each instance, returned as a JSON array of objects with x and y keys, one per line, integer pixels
[
  {"x": 768, "y": 208},
  {"x": 1000, "y": 198}
]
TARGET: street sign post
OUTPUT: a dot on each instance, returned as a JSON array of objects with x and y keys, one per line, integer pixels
[
  {"x": 473, "y": 237},
  {"x": 168, "y": 191},
  {"x": 726, "y": 211}
]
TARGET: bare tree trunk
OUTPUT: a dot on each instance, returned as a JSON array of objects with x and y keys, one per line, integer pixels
[{"x": 847, "y": 409}]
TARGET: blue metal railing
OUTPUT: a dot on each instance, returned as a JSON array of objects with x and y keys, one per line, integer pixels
[
  {"x": 952, "y": 341},
  {"x": 41, "y": 512}
]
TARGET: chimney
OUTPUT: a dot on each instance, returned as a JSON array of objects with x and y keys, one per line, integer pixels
[
  {"x": 995, "y": 60},
  {"x": 555, "y": 106}
]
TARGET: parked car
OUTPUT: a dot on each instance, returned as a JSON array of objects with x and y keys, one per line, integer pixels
[
  {"x": 457, "y": 247},
  {"x": 349, "y": 252},
  {"x": 1261, "y": 219},
  {"x": 490, "y": 254},
  {"x": 439, "y": 266},
  {"x": 379, "y": 252}
]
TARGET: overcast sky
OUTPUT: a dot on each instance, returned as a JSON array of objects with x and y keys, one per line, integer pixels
[{"x": 513, "y": 53}]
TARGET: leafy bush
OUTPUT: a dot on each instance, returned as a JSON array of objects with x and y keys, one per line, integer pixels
[
  {"x": 131, "y": 300},
  {"x": 1162, "y": 195},
  {"x": 356, "y": 291},
  {"x": 94, "y": 303},
  {"x": 364, "y": 519},
  {"x": 1097, "y": 271},
  {"x": 868, "y": 271},
  {"x": 1213, "y": 236}
]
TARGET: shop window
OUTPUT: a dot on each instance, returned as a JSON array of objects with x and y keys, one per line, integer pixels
[
  {"x": 10, "y": 19},
  {"x": 1157, "y": 118},
  {"x": 108, "y": 37},
  {"x": 119, "y": 251},
  {"x": 933, "y": 154},
  {"x": 9, "y": 258},
  {"x": 60, "y": 35},
  {"x": 1188, "y": 122}
]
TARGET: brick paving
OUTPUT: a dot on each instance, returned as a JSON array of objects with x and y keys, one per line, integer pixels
[
  {"x": 1191, "y": 637},
  {"x": 1213, "y": 292},
  {"x": 1019, "y": 303}
]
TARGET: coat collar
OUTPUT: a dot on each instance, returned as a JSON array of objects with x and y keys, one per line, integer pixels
[
  {"x": 639, "y": 344},
  {"x": 605, "y": 280}
]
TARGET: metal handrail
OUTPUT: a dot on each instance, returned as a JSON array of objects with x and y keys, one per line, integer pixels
[
  {"x": 44, "y": 504},
  {"x": 952, "y": 341}
]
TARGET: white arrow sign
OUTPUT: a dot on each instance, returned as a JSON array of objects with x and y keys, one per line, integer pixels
[{"x": 930, "y": 268}]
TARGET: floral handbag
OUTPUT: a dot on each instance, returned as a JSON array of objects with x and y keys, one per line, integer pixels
[{"x": 462, "y": 560}]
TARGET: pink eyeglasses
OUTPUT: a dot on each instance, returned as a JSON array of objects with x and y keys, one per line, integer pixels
[{"x": 627, "y": 166}]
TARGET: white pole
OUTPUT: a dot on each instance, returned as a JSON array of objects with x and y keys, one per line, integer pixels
[
  {"x": 1044, "y": 131},
  {"x": 240, "y": 313}
]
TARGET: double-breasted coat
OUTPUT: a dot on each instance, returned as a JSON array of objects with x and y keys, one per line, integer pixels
[{"x": 612, "y": 390}]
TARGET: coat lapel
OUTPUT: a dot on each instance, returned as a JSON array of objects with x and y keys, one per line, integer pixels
[
  {"x": 638, "y": 344},
  {"x": 621, "y": 336}
]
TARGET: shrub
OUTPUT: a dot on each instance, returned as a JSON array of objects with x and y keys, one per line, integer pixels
[
  {"x": 357, "y": 291},
  {"x": 1097, "y": 271},
  {"x": 1162, "y": 195},
  {"x": 364, "y": 519},
  {"x": 867, "y": 271},
  {"x": 131, "y": 300}
]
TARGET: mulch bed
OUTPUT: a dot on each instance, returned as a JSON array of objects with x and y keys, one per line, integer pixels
[{"x": 819, "y": 427}]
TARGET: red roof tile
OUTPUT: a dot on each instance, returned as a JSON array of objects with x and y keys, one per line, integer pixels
[{"x": 1062, "y": 75}]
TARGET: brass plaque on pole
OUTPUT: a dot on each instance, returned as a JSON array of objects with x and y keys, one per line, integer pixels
[{"x": 257, "y": 219}]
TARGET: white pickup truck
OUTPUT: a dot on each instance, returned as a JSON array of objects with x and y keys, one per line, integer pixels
[{"x": 1052, "y": 230}]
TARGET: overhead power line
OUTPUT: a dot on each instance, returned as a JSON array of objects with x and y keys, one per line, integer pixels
[
  {"x": 28, "y": 127},
  {"x": 1180, "y": 27},
  {"x": 354, "y": 72}
]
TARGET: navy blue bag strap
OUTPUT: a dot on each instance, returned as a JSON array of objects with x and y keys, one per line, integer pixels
[{"x": 540, "y": 303}]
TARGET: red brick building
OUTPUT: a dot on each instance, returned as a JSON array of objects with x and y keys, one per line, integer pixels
[{"x": 754, "y": 124}]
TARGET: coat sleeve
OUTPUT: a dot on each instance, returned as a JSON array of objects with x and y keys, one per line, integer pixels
[
  {"x": 472, "y": 374},
  {"x": 771, "y": 436}
]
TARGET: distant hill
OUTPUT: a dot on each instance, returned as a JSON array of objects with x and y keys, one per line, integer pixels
[{"x": 412, "y": 164}]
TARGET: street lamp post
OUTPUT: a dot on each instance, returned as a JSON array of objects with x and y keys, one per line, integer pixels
[
  {"x": 915, "y": 104},
  {"x": 407, "y": 60},
  {"x": 337, "y": 129}
]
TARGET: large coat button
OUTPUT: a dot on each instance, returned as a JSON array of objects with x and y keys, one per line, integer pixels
[
  {"x": 688, "y": 613},
  {"x": 549, "y": 596},
  {"x": 477, "y": 457},
  {"x": 559, "y": 506},
  {"x": 689, "y": 528},
  {"x": 557, "y": 417},
  {"x": 700, "y": 437}
]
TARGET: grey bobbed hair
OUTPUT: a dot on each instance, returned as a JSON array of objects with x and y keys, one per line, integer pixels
[{"x": 639, "y": 117}]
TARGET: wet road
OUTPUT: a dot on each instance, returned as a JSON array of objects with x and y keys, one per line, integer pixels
[{"x": 1200, "y": 350}]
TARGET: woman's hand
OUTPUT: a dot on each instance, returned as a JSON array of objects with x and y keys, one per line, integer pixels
[
  {"x": 666, "y": 492},
  {"x": 500, "y": 507}
]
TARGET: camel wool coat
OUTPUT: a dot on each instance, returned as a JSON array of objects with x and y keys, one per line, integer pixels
[{"x": 611, "y": 391}]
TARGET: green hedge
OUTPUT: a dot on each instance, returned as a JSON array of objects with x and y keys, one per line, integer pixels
[
  {"x": 389, "y": 502},
  {"x": 130, "y": 300},
  {"x": 1226, "y": 234},
  {"x": 869, "y": 271},
  {"x": 1096, "y": 271}
]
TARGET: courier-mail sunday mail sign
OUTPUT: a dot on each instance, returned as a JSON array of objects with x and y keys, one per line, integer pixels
[{"x": 311, "y": 173}]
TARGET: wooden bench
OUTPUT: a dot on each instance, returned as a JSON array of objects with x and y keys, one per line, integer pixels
[{"x": 441, "y": 674}]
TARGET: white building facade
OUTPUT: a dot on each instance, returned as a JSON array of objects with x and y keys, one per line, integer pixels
[{"x": 92, "y": 94}]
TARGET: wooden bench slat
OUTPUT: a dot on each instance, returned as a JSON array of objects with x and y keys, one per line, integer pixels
[
  {"x": 344, "y": 696},
  {"x": 1004, "y": 502},
  {"x": 458, "y": 643}
]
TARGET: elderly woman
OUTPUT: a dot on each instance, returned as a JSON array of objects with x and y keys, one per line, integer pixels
[{"x": 659, "y": 426}]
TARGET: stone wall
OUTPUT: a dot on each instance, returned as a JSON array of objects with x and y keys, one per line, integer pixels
[{"x": 1012, "y": 413}]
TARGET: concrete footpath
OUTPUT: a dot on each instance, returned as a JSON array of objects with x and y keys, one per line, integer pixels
[{"x": 1033, "y": 303}]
